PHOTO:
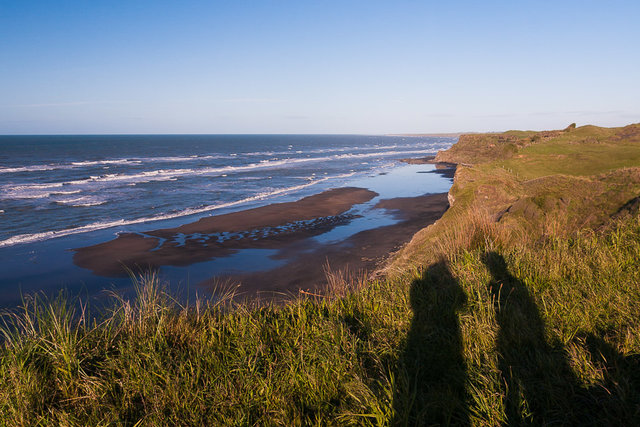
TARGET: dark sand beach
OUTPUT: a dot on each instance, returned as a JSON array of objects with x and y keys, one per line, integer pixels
[
  {"x": 271, "y": 226},
  {"x": 288, "y": 228},
  {"x": 359, "y": 254}
]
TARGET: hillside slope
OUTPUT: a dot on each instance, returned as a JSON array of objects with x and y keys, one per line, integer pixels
[
  {"x": 538, "y": 260},
  {"x": 521, "y": 305},
  {"x": 533, "y": 184}
]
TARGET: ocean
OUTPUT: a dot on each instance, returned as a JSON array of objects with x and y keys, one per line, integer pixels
[{"x": 62, "y": 192}]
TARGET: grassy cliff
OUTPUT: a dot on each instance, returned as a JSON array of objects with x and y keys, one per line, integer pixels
[{"x": 521, "y": 305}]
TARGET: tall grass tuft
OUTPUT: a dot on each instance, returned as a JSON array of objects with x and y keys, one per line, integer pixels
[{"x": 494, "y": 327}]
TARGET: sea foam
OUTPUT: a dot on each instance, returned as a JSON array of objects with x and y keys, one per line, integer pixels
[
  {"x": 25, "y": 191},
  {"x": 34, "y": 237}
]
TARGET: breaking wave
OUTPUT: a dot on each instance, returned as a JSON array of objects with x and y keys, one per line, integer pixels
[{"x": 29, "y": 238}]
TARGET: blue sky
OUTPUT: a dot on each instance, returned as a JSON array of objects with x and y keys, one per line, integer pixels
[{"x": 316, "y": 67}]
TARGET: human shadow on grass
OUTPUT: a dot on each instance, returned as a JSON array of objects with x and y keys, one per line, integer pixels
[
  {"x": 617, "y": 398},
  {"x": 431, "y": 374},
  {"x": 540, "y": 386}
]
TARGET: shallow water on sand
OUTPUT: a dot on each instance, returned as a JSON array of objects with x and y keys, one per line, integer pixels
[{"x": 46, "y": 265}]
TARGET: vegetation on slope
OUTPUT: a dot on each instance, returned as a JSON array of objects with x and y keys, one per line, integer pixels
[
  {"x": 521, "y": 305},
  {"x": 536, "y": 184}
]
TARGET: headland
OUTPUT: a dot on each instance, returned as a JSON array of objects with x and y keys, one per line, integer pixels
[{"x": 520, "y": 305}]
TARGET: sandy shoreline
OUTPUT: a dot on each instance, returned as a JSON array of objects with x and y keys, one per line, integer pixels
[
  {"x": 288, "y": 228},
  {"x": 361, "y": 253},
  {"x": 267, "y": 227}
]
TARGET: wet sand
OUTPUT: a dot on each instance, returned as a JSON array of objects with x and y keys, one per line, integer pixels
[
  {"x": 288, "y": 228},
  {"x": 362, "y": 253},
  {"x": 445, "y": 169},
  {"x": 268, "y": 227}
]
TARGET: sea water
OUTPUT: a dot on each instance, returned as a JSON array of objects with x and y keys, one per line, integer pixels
[{"x": 63, "y": 192}]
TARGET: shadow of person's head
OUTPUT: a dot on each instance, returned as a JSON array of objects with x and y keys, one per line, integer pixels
[
  {"x": 436, "y": 291},
  {"x": 497, "y": 265},
  {"x": 432, "y": 371}
]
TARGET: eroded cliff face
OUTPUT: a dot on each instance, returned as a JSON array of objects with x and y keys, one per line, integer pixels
[
  {"x": 456, "y": 178},
  {"x": 575, "y": 179}
]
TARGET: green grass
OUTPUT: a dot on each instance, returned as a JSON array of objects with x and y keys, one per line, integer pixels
[
  {"x": 520, "y": 306},
  {"x": 484, "y": 336},
  {"x": 155, "y": 362},
  {"x": 583, "y": 152}
]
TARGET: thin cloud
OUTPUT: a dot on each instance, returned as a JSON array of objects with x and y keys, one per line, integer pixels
[
  {"x": 58, "y": 104},
  {"x": 251, "y": 100},
  {"x": 579, "y": 113},
  {"x": 499, "y": 116},
  {"x": 50, "y": 104},
  {"x": 439, "y": 115}
]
